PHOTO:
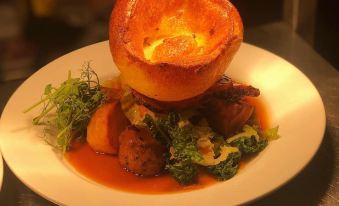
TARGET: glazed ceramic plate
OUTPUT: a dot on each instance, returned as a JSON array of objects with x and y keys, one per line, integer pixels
[{"x": 292, "y": 101}]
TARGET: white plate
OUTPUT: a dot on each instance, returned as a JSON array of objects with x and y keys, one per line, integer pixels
[{"x": 293, "y": 102}]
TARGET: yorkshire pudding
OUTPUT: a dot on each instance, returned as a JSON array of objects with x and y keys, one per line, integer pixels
[{"x": 171, "y": 50}]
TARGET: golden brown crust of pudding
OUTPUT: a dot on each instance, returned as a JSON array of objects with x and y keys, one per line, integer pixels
[{"x": 192, "y": 43}]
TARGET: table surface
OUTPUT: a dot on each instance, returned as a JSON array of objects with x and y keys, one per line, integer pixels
[{"x": 317, "y": 184}]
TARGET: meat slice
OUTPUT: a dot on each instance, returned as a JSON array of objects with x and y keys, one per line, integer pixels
[
  {"x": 237, "y": 92},
  {"x": 164, "y": 107},
  {"x": 225, "y": 89},
  {"x": 104, "y": 128},
  {"x": 227, "y": 117},
  {"x": 140, "y": 152}
]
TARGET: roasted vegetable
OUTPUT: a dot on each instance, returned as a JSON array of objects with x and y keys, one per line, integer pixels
[{"x": 105, "y": 127}]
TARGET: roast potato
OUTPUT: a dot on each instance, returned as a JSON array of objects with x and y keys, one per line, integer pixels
[{"x": 104, "y": 128}]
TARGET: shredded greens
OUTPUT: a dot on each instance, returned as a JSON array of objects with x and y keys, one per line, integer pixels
[
  {"x": 68, "y": 108},
  {"x": 191, "y": 146},
  {"x": 181, "y": 142},
  {"x": 227, "y": 168},
  {"x": 251, "y": 140},
  {"x": 183, "y": 171}
]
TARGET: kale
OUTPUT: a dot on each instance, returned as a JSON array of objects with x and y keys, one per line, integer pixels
[
  {"x": 227, "y": 168},
  {"x": 249, "y": 145},
  {"x": 250, "y": 140},
  {"x": 180, "y": 137},
  {"x": 183, "y": 171},
  {"x": 157, "y": 130},
  {"x": 218, "y": 141},
  {"x": 182, "y": 141}
]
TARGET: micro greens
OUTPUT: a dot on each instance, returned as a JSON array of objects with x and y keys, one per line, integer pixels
[{"x": 68, "y": 108}]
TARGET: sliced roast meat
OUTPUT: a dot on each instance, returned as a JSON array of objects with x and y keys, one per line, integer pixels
[{"x": 224, "y": 89}]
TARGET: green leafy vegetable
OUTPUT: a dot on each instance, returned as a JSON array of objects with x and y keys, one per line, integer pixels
[
  {"x": 249, "y": 145},
  {"x": 248, "y": 141},
  {"x": 271, "y": 134},
  {"x": 181, "y": 141},
  {"x": 69, "y": 107},
  {"x": 247, "y": 131},
  {"x": 218, "y": 141},
  {"x": 227, "y": 168},
  {"x": 183, "y": 171},
  {"x": 184, "y": 143},
  {"x": 159, "y": 129}
]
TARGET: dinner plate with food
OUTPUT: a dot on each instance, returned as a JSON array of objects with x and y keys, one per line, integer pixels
[{"x": 173, "y": 110}]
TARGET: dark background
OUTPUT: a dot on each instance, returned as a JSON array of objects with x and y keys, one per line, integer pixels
[{"x": 326, "y": 22}]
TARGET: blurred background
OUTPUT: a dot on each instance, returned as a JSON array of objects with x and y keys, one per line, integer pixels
[{"x": 34, "y": 32}]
